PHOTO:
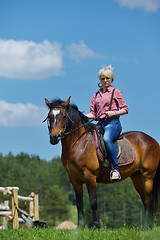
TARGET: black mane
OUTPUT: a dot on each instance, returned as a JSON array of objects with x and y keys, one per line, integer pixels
[{"x": 75, "y": 116}]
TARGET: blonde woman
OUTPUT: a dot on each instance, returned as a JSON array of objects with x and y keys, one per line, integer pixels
[{"x": 101, "y": 103}]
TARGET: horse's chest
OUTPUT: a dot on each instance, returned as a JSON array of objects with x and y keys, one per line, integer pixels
[{"x": 73, "y": 168}]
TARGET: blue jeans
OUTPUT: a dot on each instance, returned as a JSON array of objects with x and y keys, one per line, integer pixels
[{"x": 112, "y": 128}]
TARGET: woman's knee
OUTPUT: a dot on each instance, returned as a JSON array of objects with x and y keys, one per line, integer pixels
[{"x": 107, "y": 141}]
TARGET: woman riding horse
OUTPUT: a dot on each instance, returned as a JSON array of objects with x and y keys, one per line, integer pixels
[
  {"x": 110, "y": 119},
  {"x": 79, "y": 157}
]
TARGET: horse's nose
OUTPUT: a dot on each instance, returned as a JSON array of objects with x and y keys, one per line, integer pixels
[{"x": 54, "y": 138}]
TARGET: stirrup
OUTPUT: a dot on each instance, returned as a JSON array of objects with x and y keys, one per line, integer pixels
[{"x": 118, "y": 177}]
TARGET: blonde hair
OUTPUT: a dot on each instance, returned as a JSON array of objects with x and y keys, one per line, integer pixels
[{"x": 107, "y": 72}]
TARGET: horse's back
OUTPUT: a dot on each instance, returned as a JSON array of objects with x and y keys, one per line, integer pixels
[
  {"x": 140, "y": 137},
  {"x": 146, "y": 147}
]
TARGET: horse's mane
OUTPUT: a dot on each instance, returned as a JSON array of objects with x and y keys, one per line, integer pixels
[{"x": 75, "y": 116}]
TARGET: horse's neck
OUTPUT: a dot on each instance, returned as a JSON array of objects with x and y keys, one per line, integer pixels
[{"x": 70, "y": 141}]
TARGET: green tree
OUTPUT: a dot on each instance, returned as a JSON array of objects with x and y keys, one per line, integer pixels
[
  {"x": 55, "y": 205},
  {"x": 118, "y": 204}
]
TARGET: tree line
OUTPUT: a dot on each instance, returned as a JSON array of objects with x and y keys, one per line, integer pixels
[{"x": 118, "y": 204}]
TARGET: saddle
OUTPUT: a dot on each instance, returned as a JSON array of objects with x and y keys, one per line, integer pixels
[
  {"x": 124, "y": 150},
  {"x": 100, "y": 146}
]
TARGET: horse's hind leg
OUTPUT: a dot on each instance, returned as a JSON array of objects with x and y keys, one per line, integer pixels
[
  {"x": 148, "y": 185},
  {"x": 143, "y": 183},
  {"x": 138, "y": 181},
  {"x": 143, "y": 186}
]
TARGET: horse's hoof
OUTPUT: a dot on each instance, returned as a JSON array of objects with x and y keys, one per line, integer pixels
[
  {"x": 96, "y": 226},
  {"x": 81, "y": 226}
]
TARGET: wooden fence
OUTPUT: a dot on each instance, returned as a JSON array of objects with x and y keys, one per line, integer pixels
[{"x": 16, "y": 214}]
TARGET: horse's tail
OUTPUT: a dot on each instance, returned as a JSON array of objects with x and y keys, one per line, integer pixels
[{"x": 155, "y": 190}]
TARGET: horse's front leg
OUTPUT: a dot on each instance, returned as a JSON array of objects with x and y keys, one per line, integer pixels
[
  {"x": 149, "y": 205},
  {"x": 92, "y": 191},
  {"x": 79, "y": 203}
]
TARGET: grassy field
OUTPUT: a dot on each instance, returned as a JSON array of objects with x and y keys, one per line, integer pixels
[{"x": 86, "y": 234}]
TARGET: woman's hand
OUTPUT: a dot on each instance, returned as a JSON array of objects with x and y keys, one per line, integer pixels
[
  {"x": 110, "y": 114},
  {"x": 89, "y": 115},
  {"x": 116, "y": 113}
]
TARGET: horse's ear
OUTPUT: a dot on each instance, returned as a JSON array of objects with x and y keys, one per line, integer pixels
[
  {"x": 47, "y": 102},
  {"x": 66, "y": 102}
]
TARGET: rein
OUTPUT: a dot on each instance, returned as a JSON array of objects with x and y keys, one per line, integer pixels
[{"x": 63, "y": 134}]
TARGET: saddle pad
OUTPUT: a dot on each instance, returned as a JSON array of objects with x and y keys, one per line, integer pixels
[
  {"x": 127, "y": 155},
  {"x": 126, "y": 152}
]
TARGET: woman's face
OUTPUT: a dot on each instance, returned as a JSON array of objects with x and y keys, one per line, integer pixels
[{"x": 106, "y": 81}]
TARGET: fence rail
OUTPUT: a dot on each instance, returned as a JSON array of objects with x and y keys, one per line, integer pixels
[{"x": 13, "y": 214}]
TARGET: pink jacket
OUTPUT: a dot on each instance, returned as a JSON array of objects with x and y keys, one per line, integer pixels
[{"x": 100, "y": 102}]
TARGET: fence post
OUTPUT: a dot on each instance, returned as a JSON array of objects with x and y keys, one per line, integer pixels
[
  {"x": 36, "y": 207},
  {"x": 31, "y": 205},
  {"x": 5, "y": 222},
  {"x": 14, "y": 208}
]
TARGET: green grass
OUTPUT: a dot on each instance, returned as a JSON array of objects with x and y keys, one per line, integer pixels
[{"x": 86, "y": 234}]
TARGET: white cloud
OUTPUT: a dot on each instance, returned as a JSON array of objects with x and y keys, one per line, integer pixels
[
  {"x": 30, "y": 60},
  {"x": 81, "y": 51},
  {"x": 147, "y": 5},
  {"x": 19, "y": 114}
]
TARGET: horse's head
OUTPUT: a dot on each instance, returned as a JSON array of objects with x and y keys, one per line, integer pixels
[{"x": 57, "y": 119}]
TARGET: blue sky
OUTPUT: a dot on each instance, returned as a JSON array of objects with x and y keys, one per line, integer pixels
[{"x": 54, "y": 49}]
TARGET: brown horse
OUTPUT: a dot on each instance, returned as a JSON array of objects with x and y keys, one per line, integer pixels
[{"x": 79, "y": 157}]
